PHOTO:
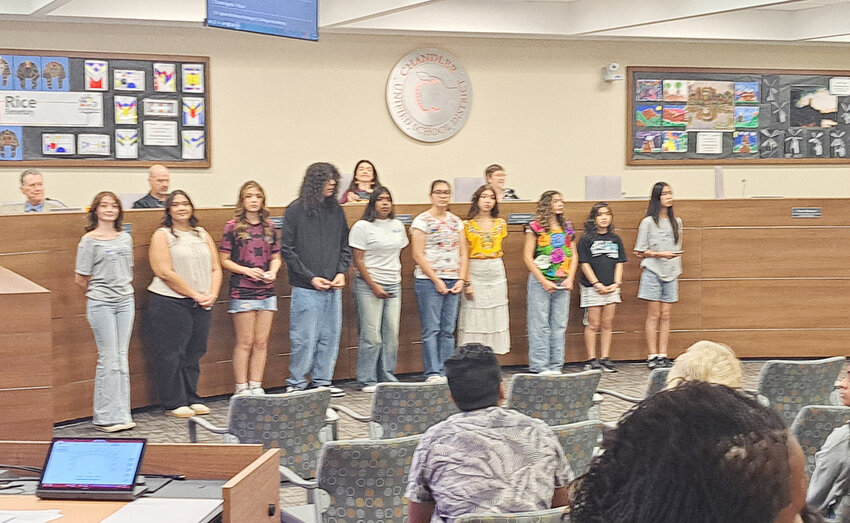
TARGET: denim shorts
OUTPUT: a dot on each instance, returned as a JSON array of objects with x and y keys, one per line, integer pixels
[
  {"x": 268, "y": 304},
  {"x": 652, "y": 288}
]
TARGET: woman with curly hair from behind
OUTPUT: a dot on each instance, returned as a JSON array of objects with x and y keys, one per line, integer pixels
[{"x": 699, "y": 453}]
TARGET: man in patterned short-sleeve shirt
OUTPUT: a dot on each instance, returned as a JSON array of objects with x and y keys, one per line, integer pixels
[{"x": 486, "y": 458}]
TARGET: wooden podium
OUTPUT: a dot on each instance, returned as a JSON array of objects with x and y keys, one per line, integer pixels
[
  {"x": 250, "y": 494},
  {"x": 26, "y": 354}
]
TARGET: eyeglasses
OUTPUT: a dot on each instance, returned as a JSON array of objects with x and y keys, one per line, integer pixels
[{"x": 442, "y": 193}]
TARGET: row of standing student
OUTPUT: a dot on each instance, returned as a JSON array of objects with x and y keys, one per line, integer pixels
[{"x": 452, "y": 257}]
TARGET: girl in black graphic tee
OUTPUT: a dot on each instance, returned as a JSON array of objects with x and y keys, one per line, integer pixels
[{"x": 601, "y": 257}]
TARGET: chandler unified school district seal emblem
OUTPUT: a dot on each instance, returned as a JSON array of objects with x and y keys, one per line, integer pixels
[{"x": 429, "y": 95}]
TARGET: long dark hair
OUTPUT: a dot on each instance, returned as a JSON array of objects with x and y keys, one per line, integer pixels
[
  {"x": 654, "y": 208},
  {"x": 370, "y": 213},
  {"x": 312, "y": 189},
  {"x": 543, "y": 215},
  {"x": 473, "y": 208},
  {"x": 241, "y": 229},
  {"x": 167, "y": 221},
  {"x": 92, "y": 214},
  {"x": 726, "y": 458},
  {"x": 375, "y": 182},
  {"x": 590, "y": 224}
]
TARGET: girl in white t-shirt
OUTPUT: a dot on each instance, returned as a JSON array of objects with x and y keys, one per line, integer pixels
[
  {"x": 659, "y": 244},
  {"x": 376, "y": 241},
  {"x": 439, "y": 251}
]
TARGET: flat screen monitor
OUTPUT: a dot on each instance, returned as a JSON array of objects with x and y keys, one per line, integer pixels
[{"x": 290, "y": 18}]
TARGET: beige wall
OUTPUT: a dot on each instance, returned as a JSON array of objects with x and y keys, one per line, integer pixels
[{"x": 539, "y": 108}]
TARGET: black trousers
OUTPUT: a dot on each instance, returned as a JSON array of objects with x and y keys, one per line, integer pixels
[{"x": 178, "y": 329}]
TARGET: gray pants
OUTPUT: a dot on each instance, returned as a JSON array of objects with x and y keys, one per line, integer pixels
[{"x": 112, "y": 324}]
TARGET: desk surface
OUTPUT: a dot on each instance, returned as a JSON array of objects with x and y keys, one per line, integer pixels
[{"x": 140, "y": 510}]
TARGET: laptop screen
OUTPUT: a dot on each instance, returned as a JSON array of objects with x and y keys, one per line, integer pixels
[{"x": 105, "y": 464}]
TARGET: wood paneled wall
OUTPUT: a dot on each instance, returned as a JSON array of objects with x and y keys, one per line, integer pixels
[{"x": 766, "y": 284}]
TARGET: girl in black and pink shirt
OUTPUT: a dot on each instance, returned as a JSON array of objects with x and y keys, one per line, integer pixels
[{"x": 250, "y": 251}]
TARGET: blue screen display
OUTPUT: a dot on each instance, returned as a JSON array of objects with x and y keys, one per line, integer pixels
[
  {"x": 94, "y": 463},
  {"x": 292, "y": 18}
]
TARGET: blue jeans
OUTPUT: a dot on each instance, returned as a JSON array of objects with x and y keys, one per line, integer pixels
[
  {"x": 547, "y": 316},
  {"x": 315, "y": 320},
  {"x": 111, "y": 323},
  {"x": 377, "y": 323},
  {"x": 438, "y": 317}
]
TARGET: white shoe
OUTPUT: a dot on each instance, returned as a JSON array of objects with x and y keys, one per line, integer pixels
[
  {"x": 436, "y": 379},
  {"x": 257, "y": 391},
  {"x": 549, "y": 373},
  {"x": 241, "y": 393},
  {"x": 292, "y": 389},
  {"x": 369, "y": 388},
  {"x": 181, "y": 412},
  {"x": 336, "y": 392},
  {"x": 199, "y": 408}
]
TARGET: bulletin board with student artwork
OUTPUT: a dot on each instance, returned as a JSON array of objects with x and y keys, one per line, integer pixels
[
  {"x": 103, "y": 110},
  {"x": 737, "y": 116}
]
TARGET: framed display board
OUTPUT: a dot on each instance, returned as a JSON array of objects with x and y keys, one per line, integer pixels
[
  {"x": 737, "y": 116},
  {"x": 103, "y": 110}
]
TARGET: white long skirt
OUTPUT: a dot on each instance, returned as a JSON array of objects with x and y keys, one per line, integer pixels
[{"x": 485, "y": 318}]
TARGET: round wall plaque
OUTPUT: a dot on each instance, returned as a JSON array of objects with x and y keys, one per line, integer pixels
[{"x": 429, "y": 95}]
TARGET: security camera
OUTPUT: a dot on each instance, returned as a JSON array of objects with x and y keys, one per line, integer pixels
[{"x": 612, "y": 72}]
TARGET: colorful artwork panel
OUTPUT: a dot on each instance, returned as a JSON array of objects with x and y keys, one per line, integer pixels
[
  {"x": 747, "y": 117},
  {"x": 675, "y": 91},
  {"x": 674, "y": 142},
  {"x": 648, "y": 115},
  {"x": 648, "y": 90},
  {"x": 745, "y": 142},
  {"x": 746, "y": 92},
  {"x": 711, "y": 106},
  {"x": 647, "y": 142},
  {"x": 674, "y": 116}
]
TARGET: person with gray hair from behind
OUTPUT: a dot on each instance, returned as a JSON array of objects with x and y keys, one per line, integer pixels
[
  {"x": 158, "y": 178},
  {"x": 32, "y": 186},
  {"x": 485, "y": 458}
]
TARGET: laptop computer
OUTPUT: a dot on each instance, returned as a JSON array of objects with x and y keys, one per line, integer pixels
[{"x": 92, "y": 469}]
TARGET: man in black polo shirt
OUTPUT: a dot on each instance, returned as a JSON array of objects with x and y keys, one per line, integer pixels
[{"x": 158, "y": 179}]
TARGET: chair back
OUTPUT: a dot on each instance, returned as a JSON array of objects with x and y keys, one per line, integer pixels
[
  {"x": 405, "y": 409},
  {"x": 558, "y": 399},
  {"x": 552, "y": 515},
  {"x": 291, "y": 422},
  {"x": 790, "y": 385},
  {"x": 578, "y": 441},
  {"x": 813, "y": 425},
  {"x": 657, "y": 381},
  {"x": 364, "y": 480}
]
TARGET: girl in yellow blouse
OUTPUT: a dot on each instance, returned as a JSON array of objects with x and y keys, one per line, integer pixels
[{"x": 484, "y": 311}]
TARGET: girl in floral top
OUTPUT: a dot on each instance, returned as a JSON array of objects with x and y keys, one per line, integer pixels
[
  {"x": 484, "y": 313},
  {"x": 550, "y": 258},
  {"x": 250, "y": 251}
]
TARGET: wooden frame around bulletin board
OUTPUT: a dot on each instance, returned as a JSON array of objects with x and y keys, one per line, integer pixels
[
  {"x": 122, "y": 61},
  {"x": 808, "y": 78}
]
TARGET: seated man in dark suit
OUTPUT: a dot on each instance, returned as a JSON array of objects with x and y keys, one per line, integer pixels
[
  {"x": 158, "y": 178},
  {"x": 486, "y": 458}
]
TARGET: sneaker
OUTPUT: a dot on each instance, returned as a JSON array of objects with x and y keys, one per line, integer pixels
[
  {"x": 257, "y": 391},
  {"x": 664, "y": 362},
  {"x": 436, "y": 379},
  {"x": 336, "y": 392},
  {"x": 129, "y": 425},
  {"x": 592, "y": 364},
  {"x": 181, "y": 412},
  {"x": 199, "y": 408},
  {"x": 607, "y": 365},
  {"x": 652, "y": 362},
  {"x": 549, "y": 373},
  {"x": 117, "y": 427},
  {"x": 369, "y": 388},
  {"x": 241, "y": 393},
  {"x": 292, "y": 389}
]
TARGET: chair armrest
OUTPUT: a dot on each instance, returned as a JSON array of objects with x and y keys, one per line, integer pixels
[
  {"x": 619, "y": 396},
  {"x": 194, "y": 421},
  {"x": 350, "y": 413},
  {"x": 290, "y": 476}
]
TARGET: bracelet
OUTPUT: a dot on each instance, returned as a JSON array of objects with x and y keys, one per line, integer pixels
[
  {"x": 466, "y": 284},
  {"x": 594, "y": 284}
]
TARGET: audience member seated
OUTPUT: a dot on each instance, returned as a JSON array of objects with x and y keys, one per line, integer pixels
[
  {"x": 829, "y": 489},
  {"x": 700, "y": 453},
  {"x": 32, "y": 186},
  {"x": 707, "y": 361},
  {"x": 486, "y": 458},
  {"x": 158, "y": 178},
  {"x": 495, "y": 175}
]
